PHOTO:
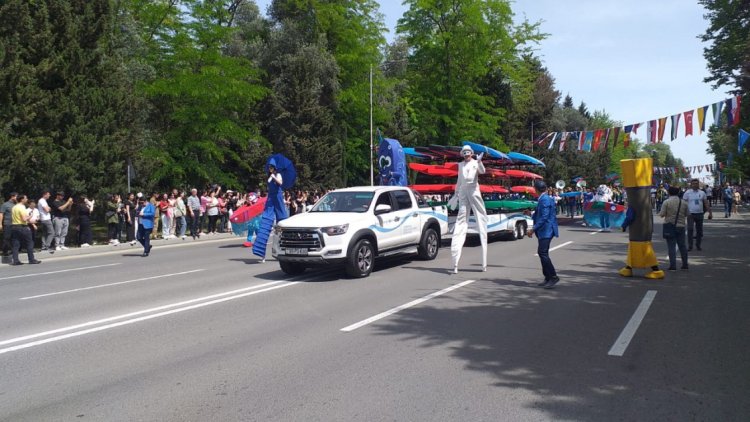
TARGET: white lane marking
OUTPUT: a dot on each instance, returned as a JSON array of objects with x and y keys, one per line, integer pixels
[
  {"x": 60, "y": 271},
  {"x": 598, "y": 231},
  {"x": 622, "y": 342},
  {"x": 109, "y": 284},
  {"x": 136, "y": 313},
  {"x": 558, "y": 247},
  {"x": 139, "y": 319},
  {"x": 404, "y": 306}
]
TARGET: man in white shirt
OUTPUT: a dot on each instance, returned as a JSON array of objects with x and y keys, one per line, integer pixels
[
  {"x": 697, "y": 206},
  {"x": 45, "y": 219}
]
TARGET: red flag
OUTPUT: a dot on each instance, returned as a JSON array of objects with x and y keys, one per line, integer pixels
[
  {"x": 597, "y": 139},
  {"x": 635, "y": 127},
  {"x": 688, "y": 122}
]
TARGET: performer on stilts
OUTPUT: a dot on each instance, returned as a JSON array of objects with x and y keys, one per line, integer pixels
[
  {"x": 468, "y": 196},
  {"x": 274, "y": 210}
]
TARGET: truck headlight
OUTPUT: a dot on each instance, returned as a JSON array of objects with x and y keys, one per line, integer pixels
[{"x": 335, "y": 230}]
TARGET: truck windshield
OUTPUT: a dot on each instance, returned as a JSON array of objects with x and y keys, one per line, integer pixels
[{"x": 344, "y": 202}]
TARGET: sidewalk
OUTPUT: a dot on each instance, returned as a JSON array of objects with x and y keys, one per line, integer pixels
[{"x": 106, "y": 249}]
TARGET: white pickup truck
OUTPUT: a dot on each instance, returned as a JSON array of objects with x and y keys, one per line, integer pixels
[{"x": 352, "y": 226}]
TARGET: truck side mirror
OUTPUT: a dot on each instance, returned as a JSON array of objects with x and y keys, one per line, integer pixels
[{"x": 382, "y": 209}]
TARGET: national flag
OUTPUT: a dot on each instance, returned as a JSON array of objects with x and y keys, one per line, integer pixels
[
  {"x": 626, "y": 137},
  {"x": 564, "y": 140},
  {"x": 651, "y": 131},
  {"x": 662, "y": 128},
  {"x": 743, "y": 136},
  {"x": 588, "y": 141},
  {"x": 552, "y": 142},
  {"x": 688, "y": 122},
  {"x": 635, "y": 127},
  {"x": 716, "y": 109},
  {"x": 581, "y": 140},
  {"x": 675, "y": 126},
  {"x": 736, "y": 102},
  {"x": 617, "y": 136},
  {"x": 702, "y": 119},
  {"x": 606, "y": 137},
  {"x": 597, "y": 139}
]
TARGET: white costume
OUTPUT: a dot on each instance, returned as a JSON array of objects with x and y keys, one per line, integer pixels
[{"x": 468, "y": 195}]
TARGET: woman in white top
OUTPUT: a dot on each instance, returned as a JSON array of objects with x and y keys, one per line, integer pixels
[
  {"x": 212, "y": 210},
  {"x": 468, "y": 196}
]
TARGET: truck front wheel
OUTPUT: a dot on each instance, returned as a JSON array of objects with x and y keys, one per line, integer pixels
[
  {"x": 360, "y": 261},
  {"x": 292, "y": 268}
]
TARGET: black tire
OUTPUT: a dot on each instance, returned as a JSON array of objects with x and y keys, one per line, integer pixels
[
  {"x": 361, "y": 259},
  {"x": 429, "y": 245},
  {"x": 292, "y": 268},
  {"x": 520, "y": 230}
]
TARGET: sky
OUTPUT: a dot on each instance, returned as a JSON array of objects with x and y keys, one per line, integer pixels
[{"x": 638, "y": 60}]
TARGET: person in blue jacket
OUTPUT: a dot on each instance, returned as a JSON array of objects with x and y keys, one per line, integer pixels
[
  {"x": 145, "y": 212},
  {"x": 545, "y": 227}
]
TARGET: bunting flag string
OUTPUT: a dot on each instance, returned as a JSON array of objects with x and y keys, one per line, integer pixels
[
  {"x": 588, "y": 140},
  {"x": 689, "y": 170}
]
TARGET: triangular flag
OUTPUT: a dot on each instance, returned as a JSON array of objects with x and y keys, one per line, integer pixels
[
  {"x": 675, "y": 126},
  {"x": 716, "y": 109},
  {"x": 743, "y": 136},
  {"x": 702, "y": 119},
  {"x": 662, "y": 128},
  {"x": 688, "y": 122}
]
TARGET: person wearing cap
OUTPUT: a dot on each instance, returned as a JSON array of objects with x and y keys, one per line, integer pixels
[
  {"x": 146, "y": 212},
  {"x": 468, "y": 196},
  {"x": 61, "y": 219},
  {"x": 545, "y": 227}
]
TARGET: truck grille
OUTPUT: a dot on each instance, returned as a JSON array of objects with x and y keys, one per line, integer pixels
[{"x": 308, "y": 239}]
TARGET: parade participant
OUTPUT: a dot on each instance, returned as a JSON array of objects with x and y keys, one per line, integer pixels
[
  {"x": 252, "y": 227},
  {"x": 698, "y": 204},
  {"x": 636, "y": 179},
  {"x": 146, "y": 212},
  {"x": 468, "y": 195},
  {"x": 274, "y": 210},
  {"x": 545, "y": 227}
]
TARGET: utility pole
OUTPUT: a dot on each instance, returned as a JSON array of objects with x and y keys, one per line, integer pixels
[{"x": 372, "y": 169}]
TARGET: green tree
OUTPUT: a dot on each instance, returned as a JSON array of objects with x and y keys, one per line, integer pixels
[
  {"x": 300, "y": 113},
  {"x": 455, "y": 45},
  {"x": 66, "y": 104},
  {"x": 202, "y": 97}
]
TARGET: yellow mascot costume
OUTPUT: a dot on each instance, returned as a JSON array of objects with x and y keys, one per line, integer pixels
[{"x": 636, "y": 178}]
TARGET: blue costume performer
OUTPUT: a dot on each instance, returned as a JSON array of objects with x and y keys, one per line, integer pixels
[{"x": 281, "y": 176}]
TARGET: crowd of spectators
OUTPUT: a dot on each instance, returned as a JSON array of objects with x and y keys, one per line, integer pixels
[{"x": 53, "y": 218}]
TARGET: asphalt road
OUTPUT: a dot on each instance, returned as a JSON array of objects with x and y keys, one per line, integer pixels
[{"x": 206, "y": 332}]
